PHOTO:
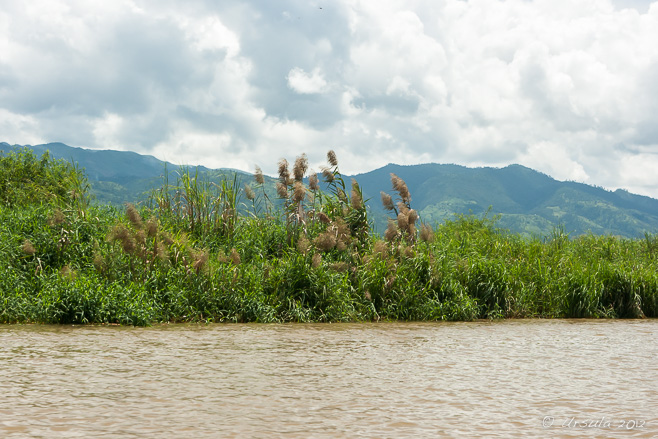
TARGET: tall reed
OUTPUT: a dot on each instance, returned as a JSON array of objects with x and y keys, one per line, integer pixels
[{"x": 196, "y": 253}]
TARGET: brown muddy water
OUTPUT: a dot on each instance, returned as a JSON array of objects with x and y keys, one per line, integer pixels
[{"x": 520, "y": 378}]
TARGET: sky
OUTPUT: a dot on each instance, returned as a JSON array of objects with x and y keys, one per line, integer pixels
[{"x": 566, "y": 87}]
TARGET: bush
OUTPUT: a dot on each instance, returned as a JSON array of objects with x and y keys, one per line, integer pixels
[
  {"x": 26, "y": 179},
  {"x": 197, "y": 255}
]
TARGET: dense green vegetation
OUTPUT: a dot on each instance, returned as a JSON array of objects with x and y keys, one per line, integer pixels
[
  {"x": 205, "y": 250},
  {"x": 525, "y": 201}
]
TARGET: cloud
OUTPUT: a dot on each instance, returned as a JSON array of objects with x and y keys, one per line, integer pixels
[
  {"x": 566, "y": 87},
  {"x": 556, "y": 160},
  {"x": 303, "y": 83}
]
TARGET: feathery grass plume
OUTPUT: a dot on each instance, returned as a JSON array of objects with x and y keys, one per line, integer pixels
[
  {"x": 403, "y": 221},
  {"x": 339, "y": 267},
  {"x": 160, "y": 251},
  {"x": 128, "y": 244},
  {"x": 57, "y": 218},
  {"x": 117, "y": 232},
  {"x": 249, "y": 192},
  {"x": 401, "y": 188},
  {"x": 121, "y": 233},
  {"x": 258, "y": 175},
  {"x": 357, "y": 202},
  {"x": 404, "y": 193},
  {"x": 300, "y": 167},
  {"x": 140, "y": 237},
  {"x": 391, "y": 231},
  {"x": 412, "y": 216},
  {"x": 133, "y": 216},
  {"x": 379, "y": 249},
  {"x": 402, "y": 208},
  {"x": 324, "y": 219},
  {"x": 367, "y": 295},
  {"x": 281, "y": 190},
  {"x": 331, "y": 158},
  {"x": 299, "y": 192},
  {"x": 200, "y": 260},
  {"x": 313, "y": 182},
  {"x": 328, "y": 174},
  {"x": 395, "y": 181},
  {"x": 316, "y": 260},
  {"x": 426, "y": 233},
  {"x": 28, "y": 248},
  {"x": 342, "y": 230},
  {"x": 387, "y": 201},
  {"x": 284, "y": 174},
  {"x": 325, "y": 241},
  {"x": 408, "y": 252},
  {"x": 221, "y": 257},
  {"x": 303, "y": 244},
  {"x": 411, "y": 231},
  {"x": 151, "y": 227},
  {"x": 341, "y": 246},
  {"x": 235, "y": 257}
]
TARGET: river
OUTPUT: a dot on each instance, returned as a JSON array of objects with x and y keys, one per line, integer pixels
[{"x": 516, "y": 378}]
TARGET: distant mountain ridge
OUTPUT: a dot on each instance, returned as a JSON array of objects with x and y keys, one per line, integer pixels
[
  {"x": 528, "y": 202},
  {"x": 116, "y": 177},
  {"x": 103, "y": 165}
]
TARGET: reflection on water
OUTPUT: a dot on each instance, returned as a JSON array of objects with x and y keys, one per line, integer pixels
[{"x": 497, "y": 379}]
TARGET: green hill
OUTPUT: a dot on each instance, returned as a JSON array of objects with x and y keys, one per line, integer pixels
[
  {"x": 527, "y": 201},
  {"x": 116, "y": 177}
]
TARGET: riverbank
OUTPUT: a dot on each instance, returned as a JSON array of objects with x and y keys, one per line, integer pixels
[{"x": 224, "y": 252}]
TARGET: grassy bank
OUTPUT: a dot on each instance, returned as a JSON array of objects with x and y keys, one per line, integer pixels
[{"x": 239, "y": 251}]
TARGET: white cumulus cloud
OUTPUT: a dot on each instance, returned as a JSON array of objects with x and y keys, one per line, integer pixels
[
  {"x": 568, "y": 87},
  {"x": 304, "y": 83}
]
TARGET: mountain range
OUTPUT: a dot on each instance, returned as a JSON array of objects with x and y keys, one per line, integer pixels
[{"x": 524, "y": 200}]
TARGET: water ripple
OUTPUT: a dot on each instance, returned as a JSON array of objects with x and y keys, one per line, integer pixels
[{"x": 494, "y": 379}]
